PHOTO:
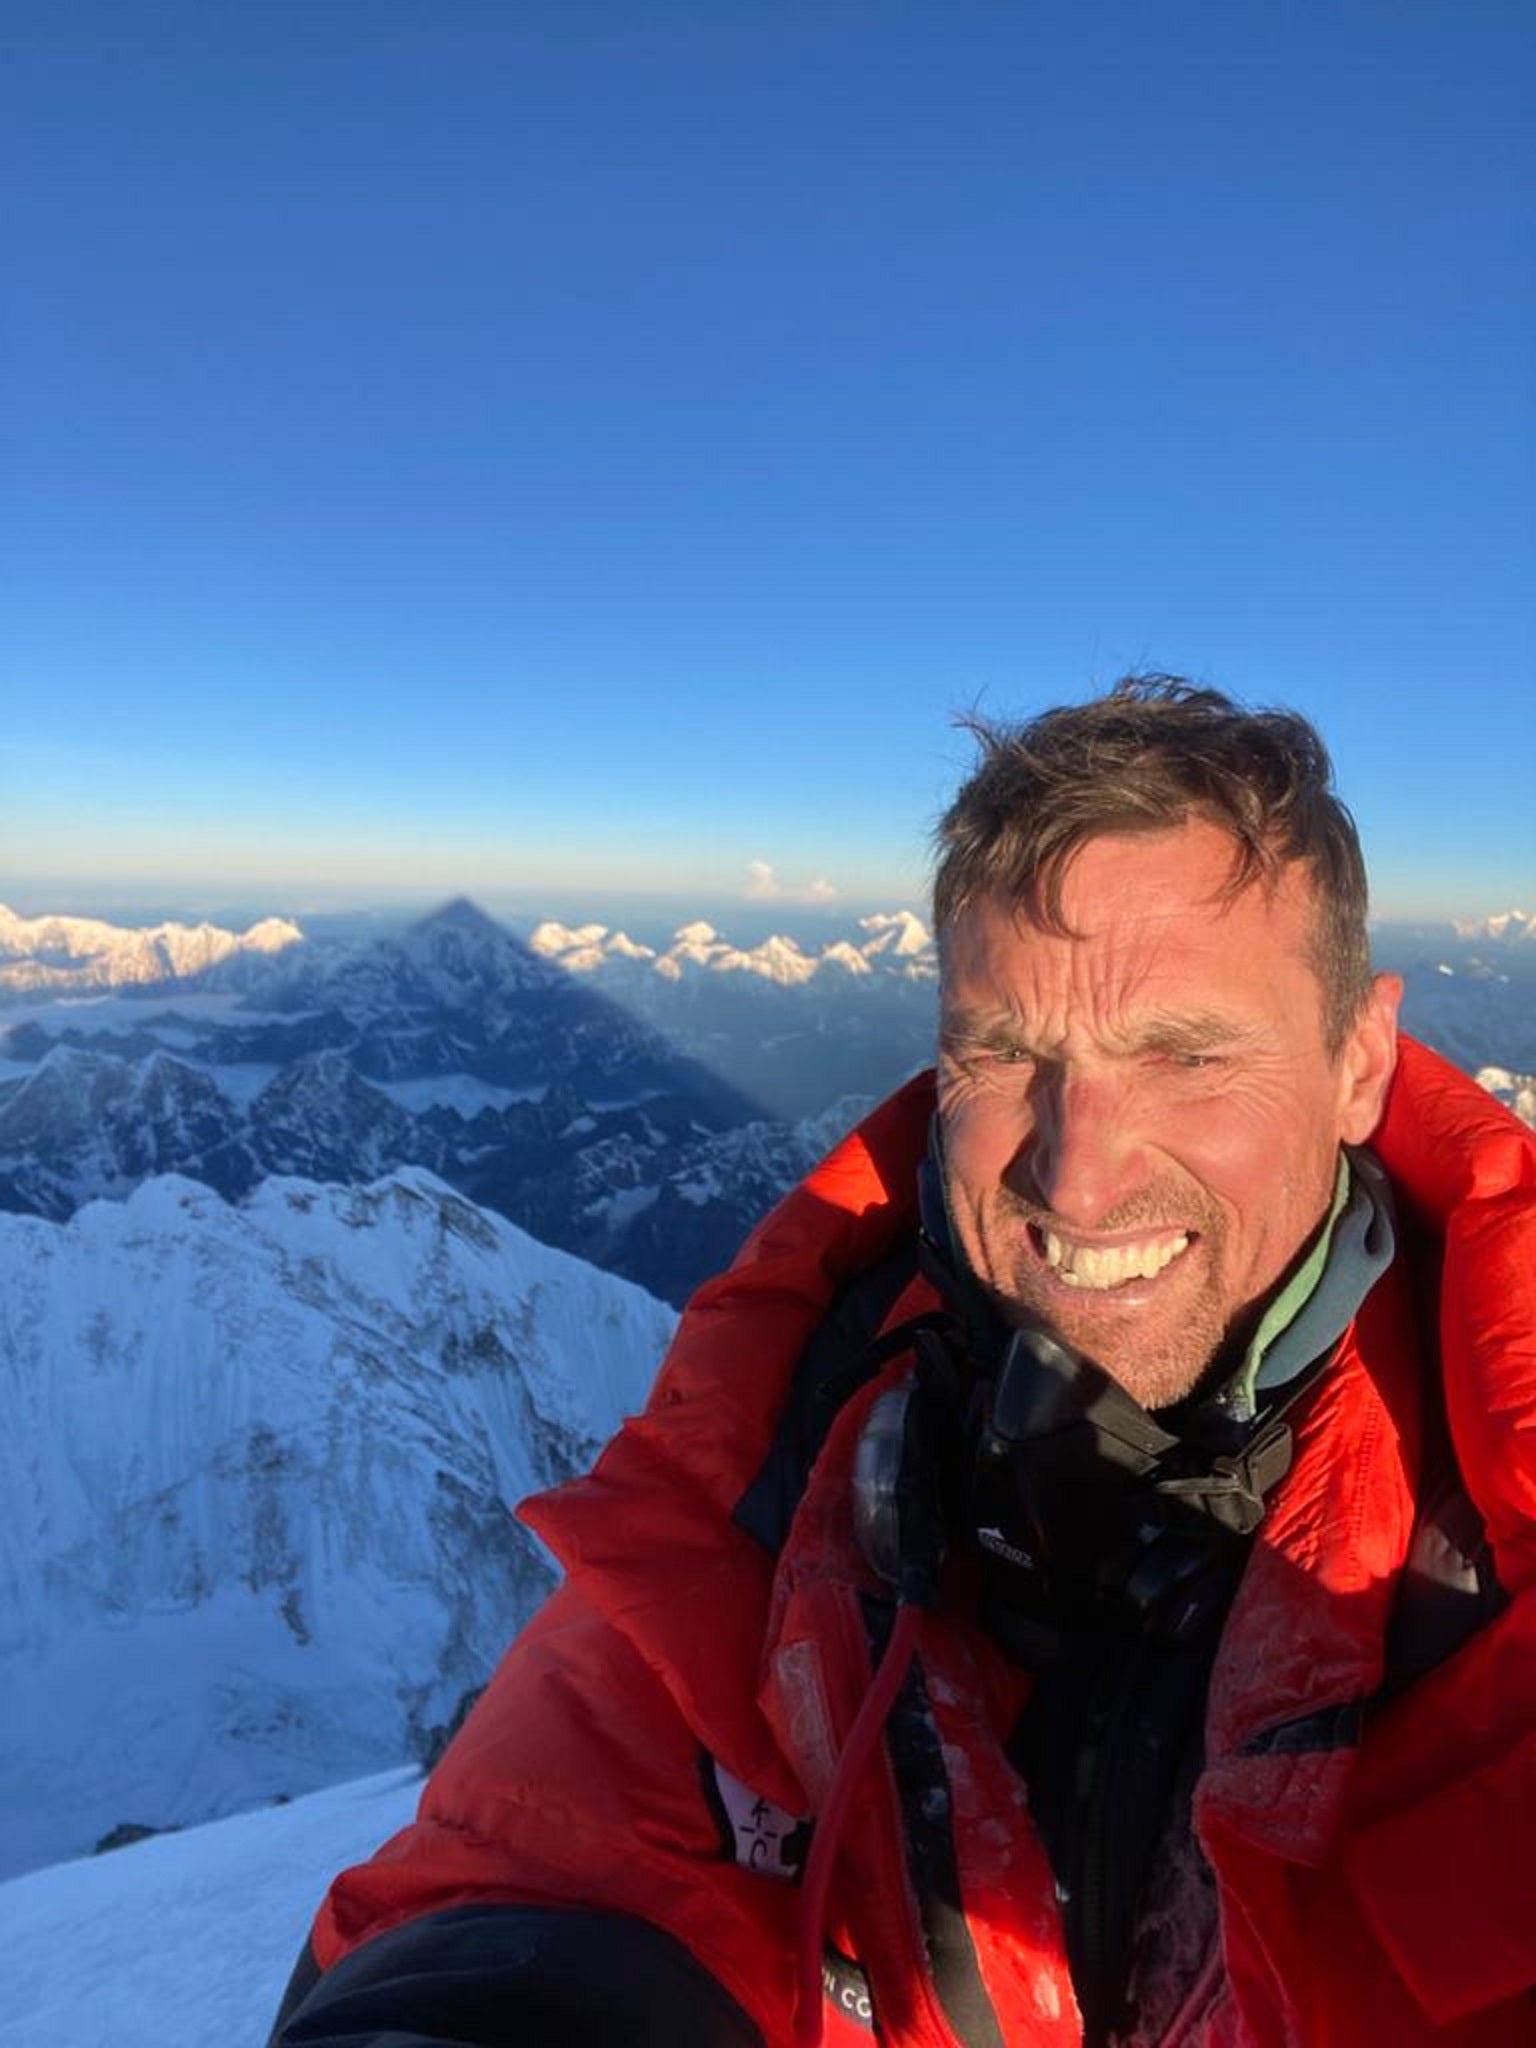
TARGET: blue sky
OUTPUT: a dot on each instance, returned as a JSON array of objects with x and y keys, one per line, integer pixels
[{"x": 596, "y": 446}]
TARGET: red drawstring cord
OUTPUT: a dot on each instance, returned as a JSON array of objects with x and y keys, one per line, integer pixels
[{"x": 868, "y": 1722}]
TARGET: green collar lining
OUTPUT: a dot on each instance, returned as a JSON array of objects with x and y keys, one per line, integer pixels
[{"x": 1312, "y": 1310}]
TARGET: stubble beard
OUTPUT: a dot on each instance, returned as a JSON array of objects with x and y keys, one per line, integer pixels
[{"x": 1158, "y": 1352}]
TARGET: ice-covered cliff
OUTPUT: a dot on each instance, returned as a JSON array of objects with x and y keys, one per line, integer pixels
[{"x": 258, "y": 1467}]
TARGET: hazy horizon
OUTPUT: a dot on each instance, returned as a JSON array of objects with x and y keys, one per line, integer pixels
[{"x": 645, "y": 916}]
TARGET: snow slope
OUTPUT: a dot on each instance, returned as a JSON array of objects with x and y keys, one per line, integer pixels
[{"x": 185, "y": 1941}]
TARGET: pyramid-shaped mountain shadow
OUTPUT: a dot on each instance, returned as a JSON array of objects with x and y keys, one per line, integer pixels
[
  {"x": 452, "y": 1045},
  {"x": 457, "y": 993}
]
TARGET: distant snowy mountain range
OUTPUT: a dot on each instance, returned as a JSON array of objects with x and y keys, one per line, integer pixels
[
  {"x": 77, "y": 954},
  {"x": 1506, "y": 928},
  {"x": 64, "y": 955},
  {"x": 258, "y": 1468},
  {"x": 896, "y": 943},
  {"x": 1469, "y": 990}
]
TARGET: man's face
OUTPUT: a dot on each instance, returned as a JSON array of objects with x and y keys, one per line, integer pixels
[{"x": 1141, "y": 1122}]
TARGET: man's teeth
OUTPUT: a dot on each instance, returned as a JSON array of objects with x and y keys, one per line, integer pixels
[{"x": 1085, "y": 1265}]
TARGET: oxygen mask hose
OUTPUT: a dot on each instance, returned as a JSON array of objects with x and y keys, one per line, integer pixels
[
  {"x": 899, "y": 1523},
  {"x": 868, "y": 1723}
]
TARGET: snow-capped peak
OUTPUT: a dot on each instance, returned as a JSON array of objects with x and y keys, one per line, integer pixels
[
  {"x": 551, "y": 938},
  {"x": 271, "y": 935},
  {"x": 582, "y": 948},
  {"x": 777, "y": 959},
  {"x": 900, "y": 932},
  {"x": 852, "y": 959}
]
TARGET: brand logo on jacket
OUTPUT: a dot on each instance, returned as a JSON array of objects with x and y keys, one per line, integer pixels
[
  {"x": 755, "y": 1833},
  {"x": 847, "y": 1988}
]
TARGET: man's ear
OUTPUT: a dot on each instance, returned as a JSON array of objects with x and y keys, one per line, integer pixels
[{"x": 1367, "y": 1060}]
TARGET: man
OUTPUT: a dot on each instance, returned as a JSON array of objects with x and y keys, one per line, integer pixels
[{"x": 1070, "y": 1581}]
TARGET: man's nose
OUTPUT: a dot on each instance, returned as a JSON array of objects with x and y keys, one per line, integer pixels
[{"x": 1083, "y": 1154}]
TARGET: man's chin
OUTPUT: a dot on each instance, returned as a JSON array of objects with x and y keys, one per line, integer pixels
[{"x": 1158, "y": 1359}]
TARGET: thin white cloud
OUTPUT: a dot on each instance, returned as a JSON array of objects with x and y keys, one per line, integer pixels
[{"x": 763, "y": 886}]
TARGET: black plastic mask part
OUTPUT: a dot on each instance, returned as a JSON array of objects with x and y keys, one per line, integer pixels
[{"x": 1088, "y": 1512}]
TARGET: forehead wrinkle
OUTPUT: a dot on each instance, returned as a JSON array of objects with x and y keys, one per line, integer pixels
[
  {"x": 1122, "y": 991},
  {"x": 1289, "y": 894},
  {"x": 1129, "y": 988},
  {"x": 1138, "y": 979}
]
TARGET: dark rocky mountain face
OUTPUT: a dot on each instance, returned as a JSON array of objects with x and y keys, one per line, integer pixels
[
  {"x": 85, "y": 1124},
  {"x": 320, "y": 1119},
  {"x": 456, "y": 994}
]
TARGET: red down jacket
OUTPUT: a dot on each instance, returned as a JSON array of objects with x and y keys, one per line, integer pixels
[{"x": 1376, "y": 1870}]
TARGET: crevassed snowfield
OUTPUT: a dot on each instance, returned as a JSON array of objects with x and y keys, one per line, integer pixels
[{"x": 183, "y": 1941}]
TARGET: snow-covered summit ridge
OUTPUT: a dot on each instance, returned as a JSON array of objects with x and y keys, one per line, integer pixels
[
  {"x": 258, "y": 1467},
  {"x": 85, "y": 953},
  {"x": 892, "y": 943}
]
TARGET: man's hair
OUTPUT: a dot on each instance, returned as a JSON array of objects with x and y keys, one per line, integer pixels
[{"x": 1151, "y": 755}]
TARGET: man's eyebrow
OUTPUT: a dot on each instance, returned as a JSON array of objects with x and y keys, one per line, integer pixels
[
  {"x": 981, "y": 1027},
  {"x": 1193, "y": 1031}
]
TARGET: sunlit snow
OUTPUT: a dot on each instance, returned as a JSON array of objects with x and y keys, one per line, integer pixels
[{"x": 185, "y": 1940}]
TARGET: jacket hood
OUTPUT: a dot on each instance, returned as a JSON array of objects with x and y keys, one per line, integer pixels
[{"x": 1464, "y": 1169}]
